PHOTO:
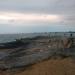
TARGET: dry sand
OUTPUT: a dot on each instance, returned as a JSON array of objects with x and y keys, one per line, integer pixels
[{"x": 49, "y": 67}]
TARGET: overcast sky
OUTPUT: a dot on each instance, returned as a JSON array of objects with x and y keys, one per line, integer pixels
[{"x": 19, "y": 16}]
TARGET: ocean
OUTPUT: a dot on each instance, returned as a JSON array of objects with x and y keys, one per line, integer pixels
[{"x": 12, "y": 37}]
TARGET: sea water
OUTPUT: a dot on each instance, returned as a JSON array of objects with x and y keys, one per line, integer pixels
[{"x": 12, "y": 37}]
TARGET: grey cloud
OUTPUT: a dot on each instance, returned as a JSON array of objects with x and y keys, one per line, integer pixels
[
  {"x": 47, "y": 6},
  {"x": 69, "y": 20}
]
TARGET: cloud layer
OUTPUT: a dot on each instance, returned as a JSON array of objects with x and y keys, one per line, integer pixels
[
  {"x": 28, "y": 18},
  {"x": 45, "y": 13}
]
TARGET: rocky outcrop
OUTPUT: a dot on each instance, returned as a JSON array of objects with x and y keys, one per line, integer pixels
[{"x": 28, "y": 51}]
